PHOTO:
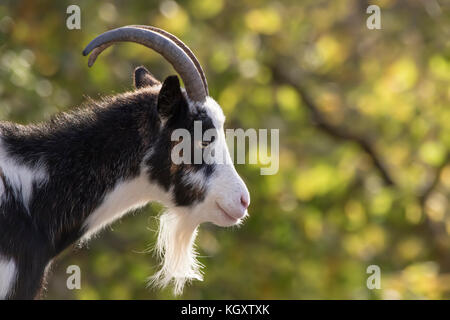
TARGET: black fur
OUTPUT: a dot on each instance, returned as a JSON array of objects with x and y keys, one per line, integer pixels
[
  {"x": 85, "y": 153},
  {"x": 143, "y": 78}
]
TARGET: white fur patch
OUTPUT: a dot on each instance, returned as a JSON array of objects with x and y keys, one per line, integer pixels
[
  {"x": 215, "y": 112},
  {"x": 175, "y": 246},
  {"x": 20, "y": 177},
  {"x": 7, "y": 277},
  {"x": 126, "y": 196}
]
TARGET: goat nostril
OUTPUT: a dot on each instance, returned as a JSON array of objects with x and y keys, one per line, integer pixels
[{"x": 244, "y": 202}]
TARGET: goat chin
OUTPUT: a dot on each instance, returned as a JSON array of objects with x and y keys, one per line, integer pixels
[{"x": 175, "y": 247}]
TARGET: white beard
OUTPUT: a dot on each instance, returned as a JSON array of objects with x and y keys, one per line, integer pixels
[{"x": 175, "y": 247}]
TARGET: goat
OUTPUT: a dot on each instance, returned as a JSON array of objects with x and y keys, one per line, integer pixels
[{"x": 63, "y": 180}]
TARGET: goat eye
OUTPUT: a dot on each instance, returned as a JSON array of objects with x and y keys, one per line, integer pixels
[{"x": 204, "y": 144}]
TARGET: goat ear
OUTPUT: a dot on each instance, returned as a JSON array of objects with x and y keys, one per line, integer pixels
[
  {"x": 143, "y": 78},
  {"x": 170, "y": 99}
]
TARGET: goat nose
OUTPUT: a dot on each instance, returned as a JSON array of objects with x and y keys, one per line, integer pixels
[{"x": 245, "y": 202}]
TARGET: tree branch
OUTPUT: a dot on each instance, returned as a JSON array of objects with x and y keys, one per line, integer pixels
[
  {"x": 334, "y": 131},
  {"x": 428, "y": 190}
]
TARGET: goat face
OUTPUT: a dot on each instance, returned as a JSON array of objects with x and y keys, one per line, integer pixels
[{"x": 208, "y": 189}]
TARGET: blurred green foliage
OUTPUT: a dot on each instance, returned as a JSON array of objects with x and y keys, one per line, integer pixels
[{"x": 328, "y": 214}]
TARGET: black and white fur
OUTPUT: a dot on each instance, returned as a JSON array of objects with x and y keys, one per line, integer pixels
[{"x": 63, "y": 180}]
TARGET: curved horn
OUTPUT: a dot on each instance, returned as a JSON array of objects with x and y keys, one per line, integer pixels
[
  {"x": 182, "y": 46},
  {"x": 97, "y": 51},
  {"x": 168, "y": 47}
]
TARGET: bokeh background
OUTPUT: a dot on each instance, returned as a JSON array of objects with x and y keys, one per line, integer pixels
[{"x": 364, "y": 120}]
